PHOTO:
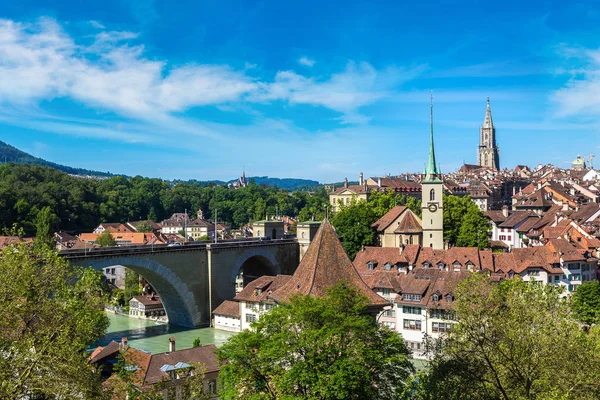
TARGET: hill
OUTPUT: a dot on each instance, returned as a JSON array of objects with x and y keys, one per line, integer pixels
[{"x": 10, "y": 154}]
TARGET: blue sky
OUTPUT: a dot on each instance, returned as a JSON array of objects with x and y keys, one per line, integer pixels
[{"x": 319, "y": 90}]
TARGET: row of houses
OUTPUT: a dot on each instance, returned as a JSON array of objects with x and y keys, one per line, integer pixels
[{"x": 410, "y": 288}]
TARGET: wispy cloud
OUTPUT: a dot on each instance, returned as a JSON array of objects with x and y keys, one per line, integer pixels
[
  {"x": 306, "y": 61},
  {"x": 493, "y": 69},
  {"x": 358, "y": 85},
  {"x": 97, "y": 24},
  {"x": 581, "y": 94}
]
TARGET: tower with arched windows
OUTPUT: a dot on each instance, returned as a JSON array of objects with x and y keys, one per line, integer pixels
[
  {"x": 431, "y": 202},
  {"x": 488, "y": 153}
]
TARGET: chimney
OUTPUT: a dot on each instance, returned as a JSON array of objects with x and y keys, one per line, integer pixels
[
  {"x": 123, "y": 343},
  {"x": 505, "y": 211},
  {"x": 345, "y": 182},
  {"x": 378, "y": 182},
  {"x": 200, "y": 214},
  {"x": 171, "y": 344},
  {"x": 565, "y": 205},
  {"x": 360, "y": 179}
]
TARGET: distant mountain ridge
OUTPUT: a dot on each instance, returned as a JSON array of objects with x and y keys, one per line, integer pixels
[{"x": 10, "y": 154}]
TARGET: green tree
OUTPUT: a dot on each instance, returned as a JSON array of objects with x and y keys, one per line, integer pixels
[
  {"x": 513, "y": 340},
  {"x": 315, "y": 348},
  {"x": 105, "y": 239},
  {"x": 144, "y": 226},
  {"x": 474, "y": 229},
  {"x": 132, "y": 285},
  {"x": 50, "y": 312},
  {"x": 585, "y": 303},
  {"x": 353, "y": 225},
  {"x": 45, "y": 221}
]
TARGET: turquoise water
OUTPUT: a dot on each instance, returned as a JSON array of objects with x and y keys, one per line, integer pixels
[{"x": 154, "y": 337}]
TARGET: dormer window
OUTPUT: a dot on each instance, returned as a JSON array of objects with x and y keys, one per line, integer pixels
[
  {"x": 511, "y": 274},
  {"x": 435, "y": 297},
  {"x": 370, "y": 265},
  {"x": 387, "y": 266},
  {"x": 456, "y": 266},
  {"x": 440, "y": 266},
  {"x": 425, "y": 265},
  {"x": 448, "y": 298}
]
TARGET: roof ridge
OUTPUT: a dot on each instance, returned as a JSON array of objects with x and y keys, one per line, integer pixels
[{"x": 312, "y": 282}]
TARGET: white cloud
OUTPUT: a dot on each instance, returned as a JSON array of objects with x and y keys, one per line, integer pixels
[
  {"x": 360, "y": 84},
  {"x": 40, "y": 61},
  {"x": 581, "y": 94},
  {"x": 96, "y": 24},
  {"x": 306, "y": 61}
]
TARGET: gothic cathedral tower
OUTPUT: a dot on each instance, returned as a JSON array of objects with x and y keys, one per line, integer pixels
[
  {"x": 432, "y": 189},
  {"x": 488, "y": 154}
]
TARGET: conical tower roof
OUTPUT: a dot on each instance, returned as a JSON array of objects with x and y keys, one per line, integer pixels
[
  {"x": 323, "y": 266},
  {"x": 431, "y": 172}
]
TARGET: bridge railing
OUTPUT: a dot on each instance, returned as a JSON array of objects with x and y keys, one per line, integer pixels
[{"x": 126, "y": 250}]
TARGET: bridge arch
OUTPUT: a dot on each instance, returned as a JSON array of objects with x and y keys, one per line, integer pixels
[
  {"x": 258, "y": 261},
  {"x": 178, "y": 301}
]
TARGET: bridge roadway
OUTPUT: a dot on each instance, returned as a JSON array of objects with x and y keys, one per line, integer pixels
[{"x": 193, "y": 279}]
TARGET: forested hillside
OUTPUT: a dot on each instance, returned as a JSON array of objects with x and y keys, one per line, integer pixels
[
  {"x": 81, "y": 204},
  {"x": 10, "y": 154}
]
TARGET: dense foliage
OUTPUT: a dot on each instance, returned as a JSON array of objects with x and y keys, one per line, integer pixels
[
  {"x": 50, "y": 312},
  {"x": 464, "y": 223},
  {"x": 513, "y": 340},
  {"x": 586, "y": 303},
  {"x": 353, "y": 222},
  {"x": 77, "y": 204},
  {"x": 315, "y": 348}
]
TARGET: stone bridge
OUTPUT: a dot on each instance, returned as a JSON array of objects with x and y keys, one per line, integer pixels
[{"x": 192, "y": 280}]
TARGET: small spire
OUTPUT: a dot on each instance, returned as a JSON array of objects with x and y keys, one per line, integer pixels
[
  {"x": 431, "y": 171},
  {"x": 488, "y": 123}
]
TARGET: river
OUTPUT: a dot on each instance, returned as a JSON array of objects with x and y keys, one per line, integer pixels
[{"x": 154, "y": 337}]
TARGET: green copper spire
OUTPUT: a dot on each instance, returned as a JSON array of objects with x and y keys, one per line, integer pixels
[{"x": 431, "y": 172}]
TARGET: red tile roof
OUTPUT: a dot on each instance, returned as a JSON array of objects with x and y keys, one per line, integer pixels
[
  {"x": 324, "y": 265},
  {"x": 389, "y": 217},
  {"x": 228, "y": 308}
]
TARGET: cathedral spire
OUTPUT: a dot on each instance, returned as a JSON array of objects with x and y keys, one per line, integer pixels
[
  {"x": 488, "y": 123},
  {"x": 431, "y": 172}
]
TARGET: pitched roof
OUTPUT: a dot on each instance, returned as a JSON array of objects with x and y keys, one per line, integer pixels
[
  {"x": 205, "y": 355},
  {"x": 324, "y": 265},
  {"x": 102, "y": 352},
  {"x": 228, "y": 308},
  {"x": 148, "y": 300},
  {"x": 410, "y": 223},
  {"x": 262, "y": 288},
  {"x": 389, "y": 217},
  {"x": 516, "y": 218}
]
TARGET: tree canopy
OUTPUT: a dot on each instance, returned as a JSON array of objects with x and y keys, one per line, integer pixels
[
  {"x": 353, "y": 222},
  {"x": 586, "y": 303},
  {"x": 105, "y": 239},
  {"x": 81, "y": 204},
  {"x": 464, "y": 223},
  {"x": 513, "y": 340},
  {"x": 50, "y": 312},
  {"x": 315, "y": 348}
]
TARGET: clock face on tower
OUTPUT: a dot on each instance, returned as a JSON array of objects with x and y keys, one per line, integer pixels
[{"x": 432, "y": 208}]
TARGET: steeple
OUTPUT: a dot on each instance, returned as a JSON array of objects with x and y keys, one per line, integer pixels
[
  {"x": 431, "y": 171},
  {"x": 488, "y": 123}
]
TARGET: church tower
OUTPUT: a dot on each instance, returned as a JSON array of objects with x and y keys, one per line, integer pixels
[
  {"x": 432, "y": 189},
  {"x": 488, "y": 154}
]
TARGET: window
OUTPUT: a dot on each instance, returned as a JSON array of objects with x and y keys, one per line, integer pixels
[
  {"x": 389, "y": 313},
  {"x": 302, "y": 235},
  {"x": 448, "y": 298},
  {"x": 501, "y": 229},
  {"x": 386, "y": 292},
  {"x": 411, "y": 297},
  {"x": 412, "y": 324},
  {"x": 425, "y": 265},
  {"x": 387, "y": 266},
  {"x": 534, "y": 273},
  {"x": 502, "y": 237},
  {"x": 509, "y": 238},
  {"x": 250, "y": 318},
  {"x": 441, "y": 327},
  {"x": 432, "y": 195},
  {"x": 370, "y": 266},
  {"x": 249, "y": 306},
  {"x": 440, "y": 266},
  {"x": 411, "y": 310},
  {"x": 435, "y": 297}
]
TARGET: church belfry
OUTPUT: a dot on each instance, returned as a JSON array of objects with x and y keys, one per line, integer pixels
[
  {"x": 432, "y": 190},
  {"x": 488, "y": 154}
]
